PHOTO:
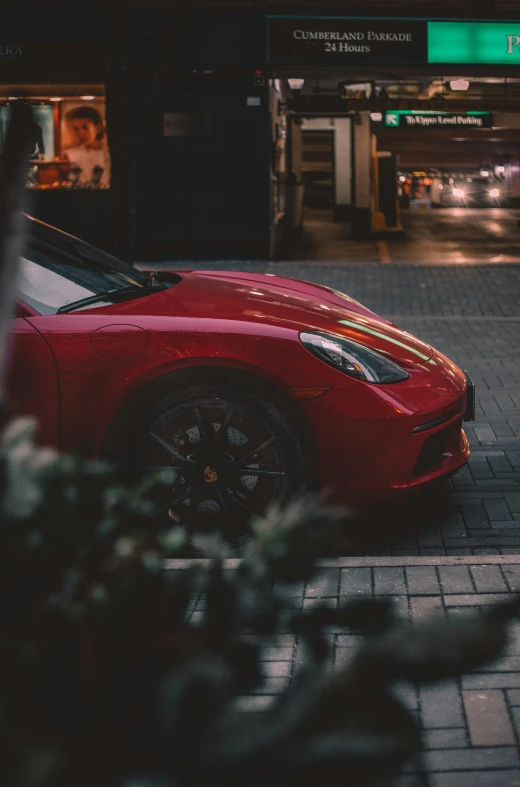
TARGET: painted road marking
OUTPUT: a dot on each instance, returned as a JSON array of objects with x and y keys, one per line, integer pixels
[{"x": 384, "y": 254}]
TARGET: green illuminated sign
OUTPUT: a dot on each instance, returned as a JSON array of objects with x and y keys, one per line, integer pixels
[
  {"x": 474, "y": 42},
  {"x": 412, "y": 118}
]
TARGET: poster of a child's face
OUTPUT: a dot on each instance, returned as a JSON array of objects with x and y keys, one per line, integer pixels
[{"x": 84, "y": 143}]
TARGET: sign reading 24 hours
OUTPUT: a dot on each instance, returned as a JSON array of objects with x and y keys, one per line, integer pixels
[{"x": 342, "y": 40}]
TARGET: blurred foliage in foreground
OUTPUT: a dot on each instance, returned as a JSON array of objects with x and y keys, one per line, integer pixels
[{"x": 105, "y": 681}]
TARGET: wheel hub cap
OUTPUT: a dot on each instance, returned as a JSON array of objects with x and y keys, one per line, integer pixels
[
  {"x": 227, "y": 464},
  {"x": 210, "y": 474}
]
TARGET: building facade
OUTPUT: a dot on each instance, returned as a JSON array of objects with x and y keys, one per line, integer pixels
[{"x": 200, "y": 152}]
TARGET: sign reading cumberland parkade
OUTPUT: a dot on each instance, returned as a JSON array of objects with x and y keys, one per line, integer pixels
[
  {"x": 403, "y": 118},
  {"x": 353, "y": 40},
  {"x": 334, "y": 39}
]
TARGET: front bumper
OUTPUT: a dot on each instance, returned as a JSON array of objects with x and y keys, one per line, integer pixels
[
  {"x": 425, "y": 458},
  {"x": 376, "y": 444}
]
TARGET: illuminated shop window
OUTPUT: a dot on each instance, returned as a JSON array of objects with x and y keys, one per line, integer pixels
[{"x": 70, "y": 146}]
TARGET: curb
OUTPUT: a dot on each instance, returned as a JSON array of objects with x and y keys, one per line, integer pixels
[
  {"x": 454, "y": 317},
  {"x": 370, "y": 562}
]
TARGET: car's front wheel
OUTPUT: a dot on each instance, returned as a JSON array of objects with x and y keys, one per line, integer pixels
[{"x": 231, "y": 454}]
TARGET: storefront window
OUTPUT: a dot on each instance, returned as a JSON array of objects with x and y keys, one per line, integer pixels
[{"x": 70, "y": 146}]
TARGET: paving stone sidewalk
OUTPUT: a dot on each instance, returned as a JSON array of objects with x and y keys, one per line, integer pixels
[{"x": 471, "y": 725}]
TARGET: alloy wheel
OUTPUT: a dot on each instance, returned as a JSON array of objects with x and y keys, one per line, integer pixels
[{"x": 227, "y": 464}]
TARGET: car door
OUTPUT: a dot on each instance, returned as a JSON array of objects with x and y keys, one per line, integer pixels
[
  {"x": 66, "y": 338},
  {"x": 94, "y": 352},
  {"x": 32, "y": 377}
]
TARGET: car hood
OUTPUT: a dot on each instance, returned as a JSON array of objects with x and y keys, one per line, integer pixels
[{"x": 279, "y": 301}]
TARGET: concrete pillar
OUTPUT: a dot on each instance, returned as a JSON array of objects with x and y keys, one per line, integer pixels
[
  {"x": 343, "y": 168},
  {"x": 296, "y": 146},
  {"x": 363, "y": 165},
  {"x": 342, "y": 160},
  {"x": 509, "y": 183},
  {"x": 436, "y": 192}
]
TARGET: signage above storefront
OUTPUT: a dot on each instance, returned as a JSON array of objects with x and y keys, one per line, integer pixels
[
  {"x": 342, "y": 40},
  {"x": 417, "y": 119},
  {"x": 333, "y": 40},
  {"x": 48, "y": 46},
  {"x": 13, "y": 50},
  {"x": 494, "y": 43},
  {"x": 33, "y": 62}
]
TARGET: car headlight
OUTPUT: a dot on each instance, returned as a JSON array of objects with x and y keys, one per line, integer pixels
[
  {"x": 494, "y": 193},
  {"x": 352, "y": 358},
  {"x": 458, "y": 192}
]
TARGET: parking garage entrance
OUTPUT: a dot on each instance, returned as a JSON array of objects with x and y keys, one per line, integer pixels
[{"x": 388, "y": 133}]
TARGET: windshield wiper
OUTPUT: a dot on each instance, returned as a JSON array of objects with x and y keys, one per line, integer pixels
[{"x": 118, "y": 293}]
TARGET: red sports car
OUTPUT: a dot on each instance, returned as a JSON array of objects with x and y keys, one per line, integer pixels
[{"x": 248, "y": 386}]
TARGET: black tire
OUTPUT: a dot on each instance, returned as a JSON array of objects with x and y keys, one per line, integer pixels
[{"x": 220, "y": 482}]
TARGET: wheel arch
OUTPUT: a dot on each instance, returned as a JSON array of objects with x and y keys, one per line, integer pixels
[{"x": 119, "y": 435}]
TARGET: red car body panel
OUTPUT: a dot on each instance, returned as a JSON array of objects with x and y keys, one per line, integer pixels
[
  {"x": 32, "y": 380},
  {"x": 87, "y": 363}
]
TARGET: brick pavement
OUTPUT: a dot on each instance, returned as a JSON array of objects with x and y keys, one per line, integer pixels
[
  {"x": 472, "y": 313},
  {"x": 471, "y": 725}
]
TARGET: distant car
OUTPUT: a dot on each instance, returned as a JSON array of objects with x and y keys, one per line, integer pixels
[
  {"x": 473, "y": 192},
  {"x": 247, "y": 386}
]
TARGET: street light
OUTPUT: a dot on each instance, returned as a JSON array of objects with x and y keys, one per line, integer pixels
[
  {"x": 296, "y": 86},
  {"x": 459, "y": 84}
]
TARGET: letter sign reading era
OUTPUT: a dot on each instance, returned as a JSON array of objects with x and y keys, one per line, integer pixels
[
  {"x": 10, "y": 51},
  {"x": 496, "y": 43},
  {"x": 342, "y": 40}
]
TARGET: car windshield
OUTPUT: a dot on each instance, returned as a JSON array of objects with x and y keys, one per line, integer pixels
[
  {"x": 475, "y": 184},
  {"x": 58, "y": 270}
]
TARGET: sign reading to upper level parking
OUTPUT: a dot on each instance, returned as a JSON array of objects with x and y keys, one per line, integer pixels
[
  {"x": 341, "y": 40},
  {"x": 404, "y": 118}
]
